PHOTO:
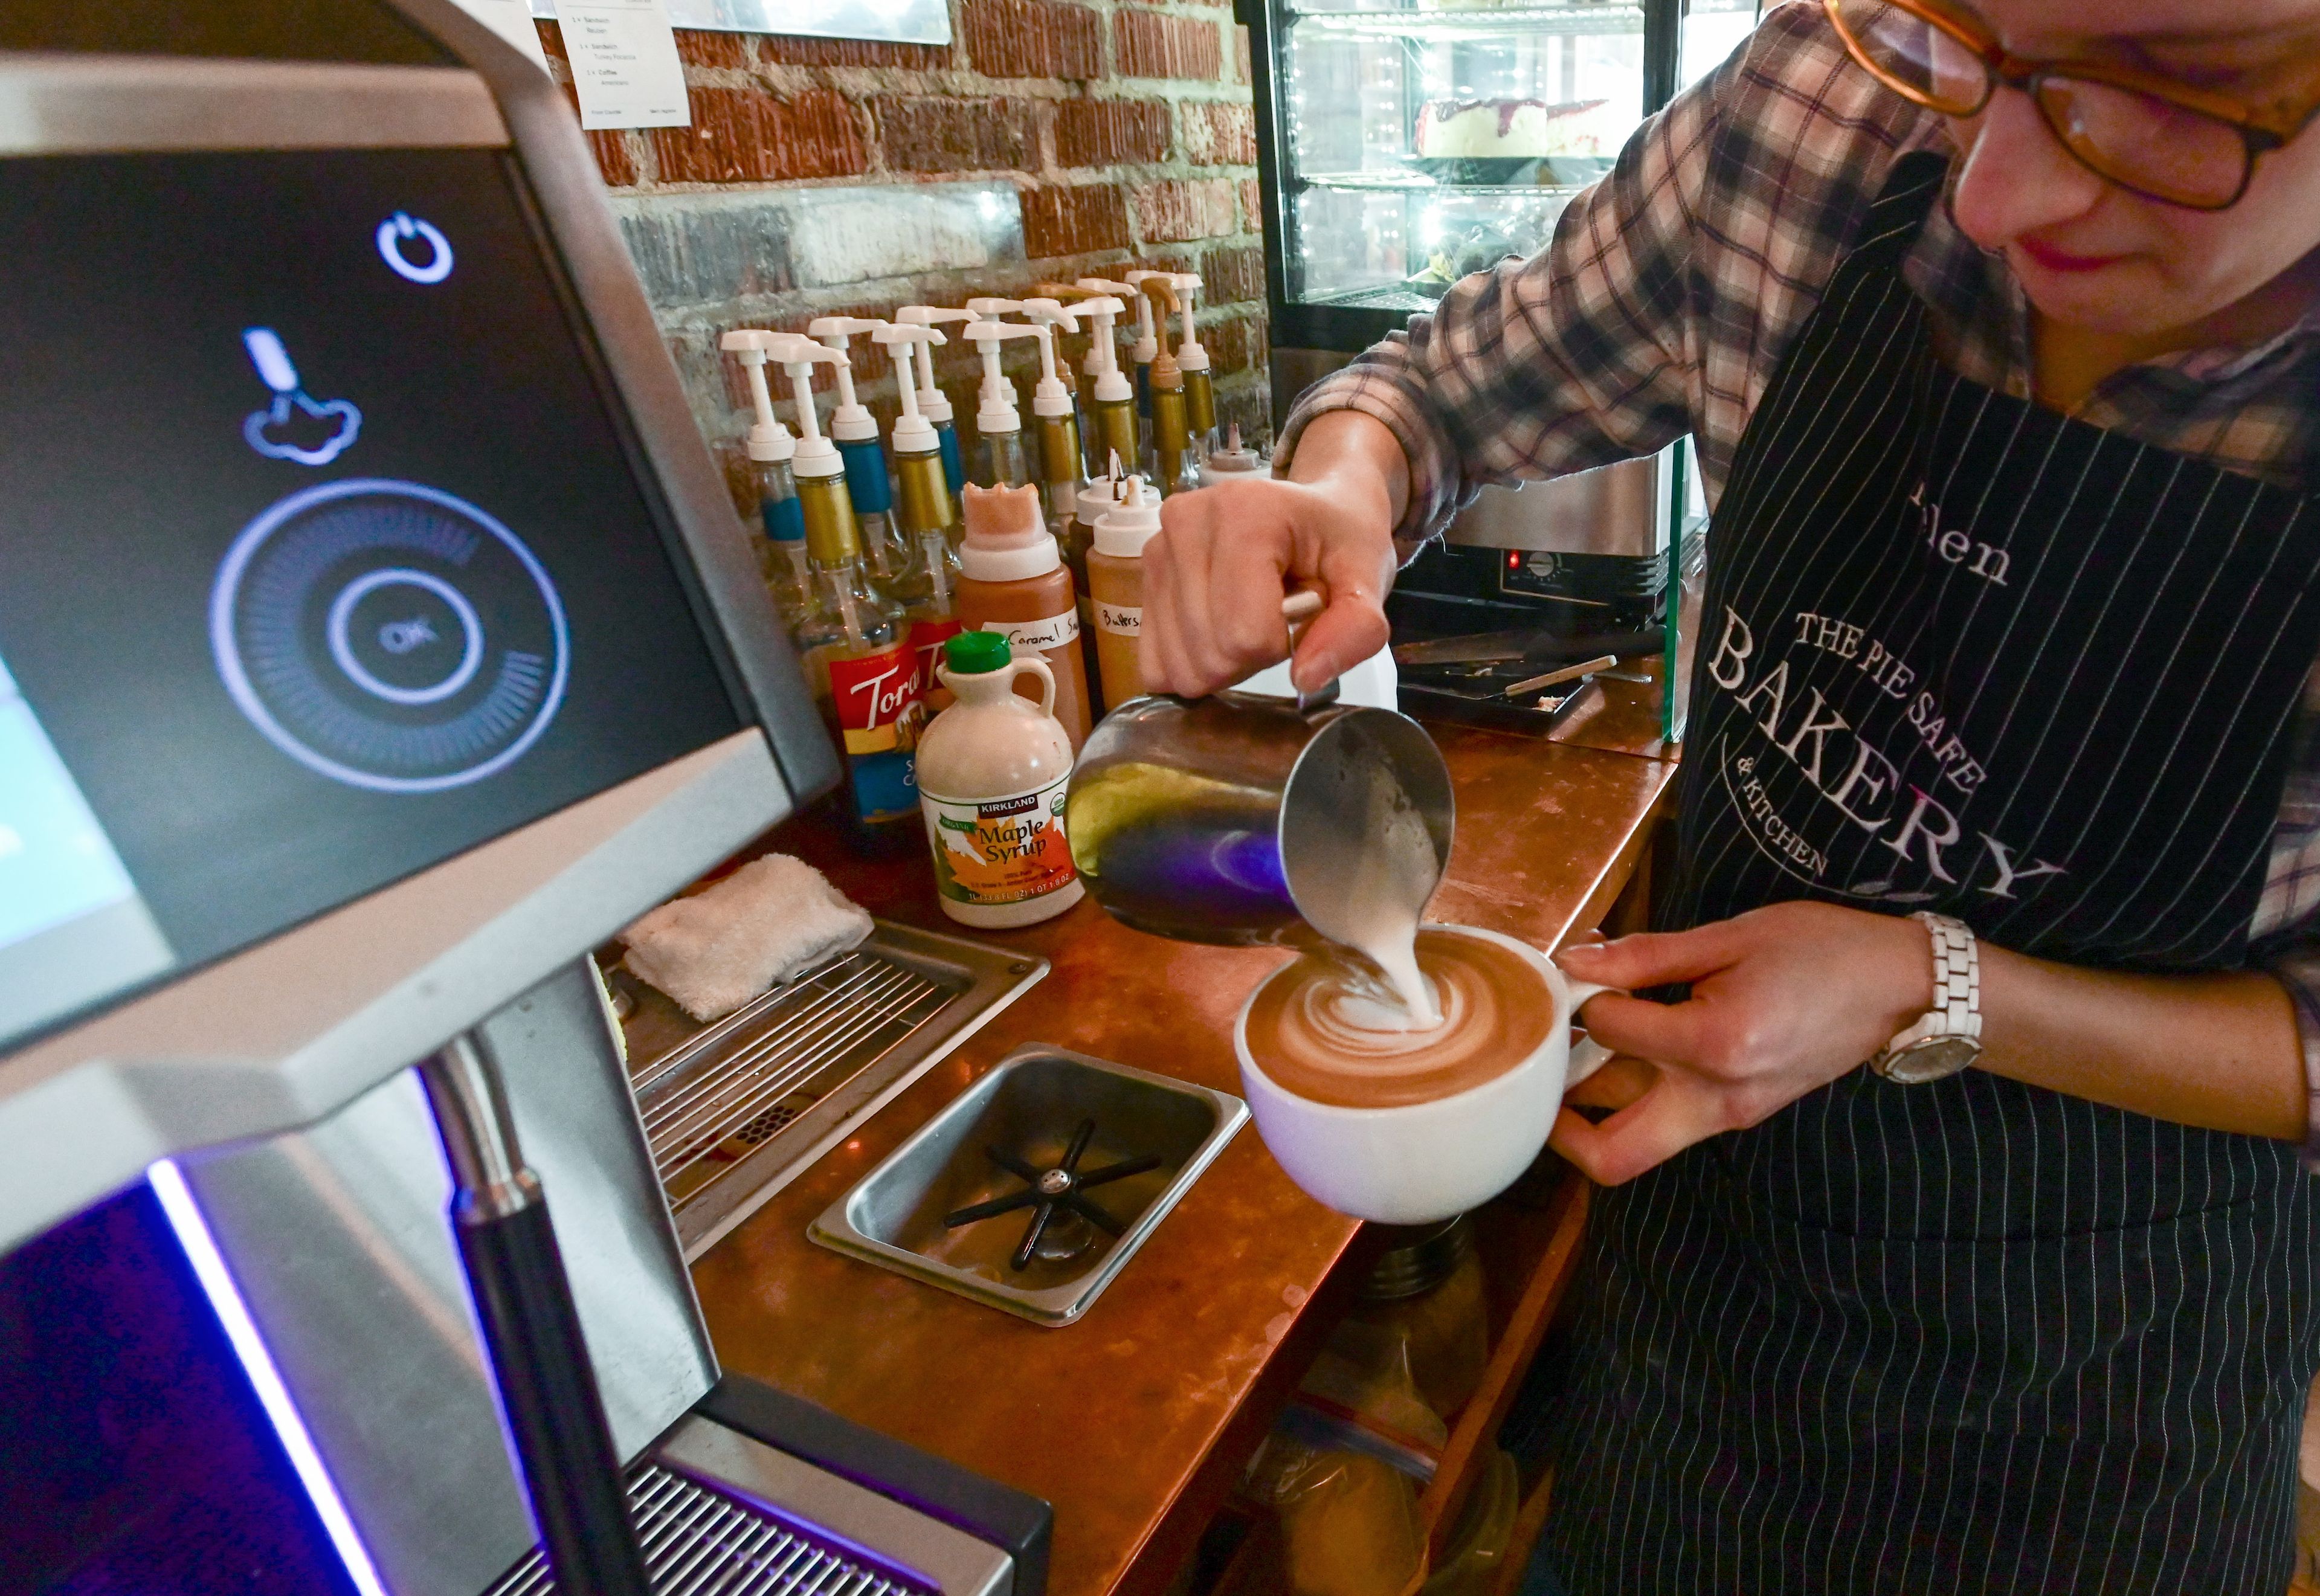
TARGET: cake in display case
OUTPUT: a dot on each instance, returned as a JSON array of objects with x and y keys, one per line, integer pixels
[{"x": 1403, "y": 146}]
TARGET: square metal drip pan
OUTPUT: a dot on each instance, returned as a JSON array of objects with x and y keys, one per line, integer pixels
[
  {"x": 733, "y": 1110},
  {"x": 1029, "y": 1107}
]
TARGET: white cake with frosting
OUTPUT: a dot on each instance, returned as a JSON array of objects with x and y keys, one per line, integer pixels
[{"x": 1516, "y": 130}]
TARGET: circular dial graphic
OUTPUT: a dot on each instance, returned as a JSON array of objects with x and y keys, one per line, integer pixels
[{"x": 389, "y": 636}]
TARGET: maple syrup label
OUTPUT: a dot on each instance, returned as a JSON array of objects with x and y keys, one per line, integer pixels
[
  {"x": 1125, "y": 620},
  {"x": 874, "y": 697},
  {"x": 1027, "y": 638},
  {"x": 999, "y": 850},
  {"x": 927, "y": 638}
]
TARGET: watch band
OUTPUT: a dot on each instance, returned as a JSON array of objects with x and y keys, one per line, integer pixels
[
  {"x": 1946, "y": 1037},
  {"x": 1957, "y": 975}
]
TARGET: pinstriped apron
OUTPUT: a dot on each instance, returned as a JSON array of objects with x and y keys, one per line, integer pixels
[{"x": 1961, "y": 652}]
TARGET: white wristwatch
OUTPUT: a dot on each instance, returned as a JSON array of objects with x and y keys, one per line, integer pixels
[{"x": 1947, "y": 1036}]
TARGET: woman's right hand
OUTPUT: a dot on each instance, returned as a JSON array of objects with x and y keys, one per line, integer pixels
[{"x": 1215, "y": 575}]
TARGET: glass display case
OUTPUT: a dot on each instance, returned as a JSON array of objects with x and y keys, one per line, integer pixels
[{"x": 1404, "y": 143}]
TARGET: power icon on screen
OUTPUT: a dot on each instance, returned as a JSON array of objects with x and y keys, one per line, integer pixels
[{"x": 415, "y": 249}]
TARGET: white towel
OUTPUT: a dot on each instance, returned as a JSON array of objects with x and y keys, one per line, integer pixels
[{"x": 769, "y": 921}]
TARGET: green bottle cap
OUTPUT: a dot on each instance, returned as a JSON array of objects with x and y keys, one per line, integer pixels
[{"x": 971, "y": 653}]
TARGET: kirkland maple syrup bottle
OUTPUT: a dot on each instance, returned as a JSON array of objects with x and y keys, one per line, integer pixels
[{"x": 996, "y": 767}]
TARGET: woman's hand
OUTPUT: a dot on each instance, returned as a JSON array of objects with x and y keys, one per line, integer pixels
[
  {"x": 1215, "y": 577},
  {"x": 1784, "y": 1000}
]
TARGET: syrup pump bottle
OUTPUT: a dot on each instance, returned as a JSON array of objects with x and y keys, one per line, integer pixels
[
  {"x": 1061, "y": 456},
  {"x": 1054, "y": 408},
  {"x": 853, "y": 641},
  {"x": 856, "y": 432},
  {"x": 929, "y": 589},
  {"x": 1147, "y": 347},
  {"x": 1192, "y": 360},
  {"x": 1170, "y": 424},
  {"x": 1000, "y": 460},
  {"x": 781, "y": 552},
  {"x": 933, "y": 403},
  {"x": 1115, "y": 437}
]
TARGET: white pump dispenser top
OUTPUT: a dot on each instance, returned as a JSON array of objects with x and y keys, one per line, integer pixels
[
  {"x": 998, "y": 412},
  {"x": 913, "y": 433},
  {"x": 816, "y": 455},
  {"x": 1103, "y": 354},
  {"x": 1190, "y": 355},
  {"x": 933, "y": 403},
  {"x": 851, "y": 421},
  {"x": 988, "y": 307},
  {"x": 1053, "y": 396},
  {"x": 768, "y": 439},
  {"x": 1148, "y": 341}
]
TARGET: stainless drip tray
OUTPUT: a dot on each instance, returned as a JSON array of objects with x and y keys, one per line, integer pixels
[
  {"x": 734, "y": 1109},
  {"x": 990, "y": 1147}
]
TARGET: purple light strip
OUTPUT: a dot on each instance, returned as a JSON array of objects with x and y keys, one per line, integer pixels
[{"x": 209, "y": 1264}]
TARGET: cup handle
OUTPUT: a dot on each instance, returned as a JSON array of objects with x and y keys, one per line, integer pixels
[
  {"x": 1041, "y": 669},
  {"x": 1587, "y": 1054}
]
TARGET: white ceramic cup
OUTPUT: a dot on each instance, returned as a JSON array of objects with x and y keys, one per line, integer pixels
[{"x": 1421, "y": 1162}]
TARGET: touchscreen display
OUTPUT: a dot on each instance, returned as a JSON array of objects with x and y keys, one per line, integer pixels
[{"x": 321, "y": 559}]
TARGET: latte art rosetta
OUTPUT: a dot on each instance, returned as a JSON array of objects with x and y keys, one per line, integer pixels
[{"x": 1328, "y": 1032}]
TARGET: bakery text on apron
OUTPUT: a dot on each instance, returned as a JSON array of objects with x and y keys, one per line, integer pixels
[{"x": 1964, "y": 653}]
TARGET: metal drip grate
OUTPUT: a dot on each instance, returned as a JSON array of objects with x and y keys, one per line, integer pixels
[
  {"x": 733, "y": 1109},
  {"x": 699, "y": 1543}
]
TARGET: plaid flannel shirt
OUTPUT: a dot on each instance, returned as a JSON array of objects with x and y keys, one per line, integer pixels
[{"x": 1671, "y": 289}]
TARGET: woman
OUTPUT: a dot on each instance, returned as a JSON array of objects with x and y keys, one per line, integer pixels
[{"x": 1998, "y": 327}]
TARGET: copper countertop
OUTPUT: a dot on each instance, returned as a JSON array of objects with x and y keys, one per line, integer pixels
[{"x": 1129, "y": 1420}]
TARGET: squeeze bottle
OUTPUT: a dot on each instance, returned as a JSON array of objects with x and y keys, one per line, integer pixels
[
  {"x": 933, "y": 403},
  {"x": 928, "y": 586},
  {"x": 781, "y": 551},
  {"x": 1013, "y": 582},
  {"x": 856, "y": 432},
  {"x": 1116, "y": 584},
  {"x": 1232, "y": 460},
  {"x": 993, "y": 772},
  {"x": 853, "y": 643}
]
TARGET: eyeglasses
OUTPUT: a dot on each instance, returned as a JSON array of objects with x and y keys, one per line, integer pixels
[{"x": 2162, "y": 140}]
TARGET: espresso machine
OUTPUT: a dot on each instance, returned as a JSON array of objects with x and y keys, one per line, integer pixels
[{"x": 376, "y": 640}]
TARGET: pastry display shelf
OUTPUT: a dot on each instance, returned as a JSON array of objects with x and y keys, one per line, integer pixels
[
  {"x": 1420, "y": 183},
  {"x": 1443, "y": 23}
]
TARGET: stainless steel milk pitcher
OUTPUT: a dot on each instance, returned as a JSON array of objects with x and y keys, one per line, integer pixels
[{"x": 1240, "y": 819}]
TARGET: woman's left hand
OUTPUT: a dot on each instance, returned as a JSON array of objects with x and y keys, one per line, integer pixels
[{"x": 1784, "y": 1000}]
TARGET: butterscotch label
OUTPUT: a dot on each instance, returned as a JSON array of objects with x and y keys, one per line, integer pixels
[
  {"x": 999, "y": 850},
  {"x": 1125, "y": 620}
]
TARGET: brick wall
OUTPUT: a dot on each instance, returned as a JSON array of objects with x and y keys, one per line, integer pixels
[{"x": 1121, "y": 133}]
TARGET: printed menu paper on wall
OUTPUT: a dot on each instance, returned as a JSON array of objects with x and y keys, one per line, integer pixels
[
  {"x": 512, "y": 21},
  {"x": 624, "y": 63}
]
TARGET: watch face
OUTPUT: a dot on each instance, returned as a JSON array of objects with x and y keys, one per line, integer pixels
[{"x": 1932, "y": 1059}]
